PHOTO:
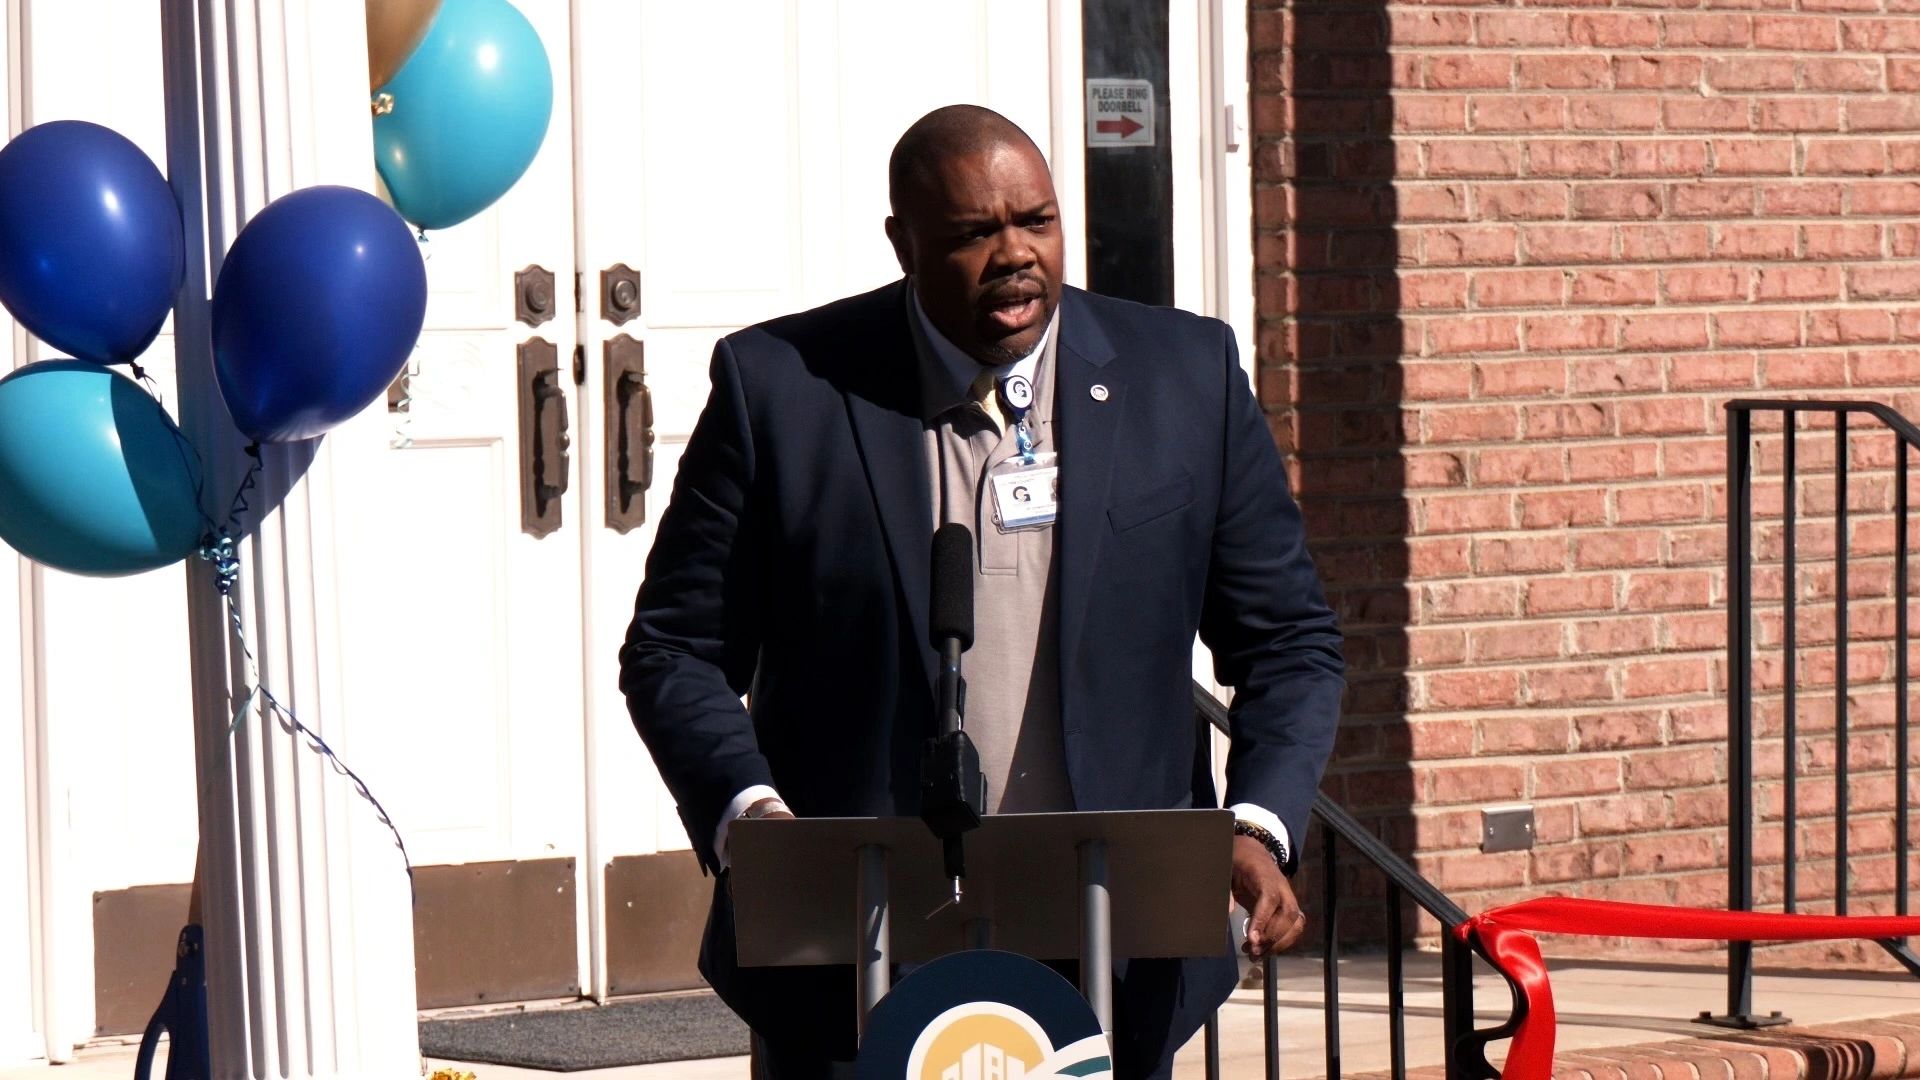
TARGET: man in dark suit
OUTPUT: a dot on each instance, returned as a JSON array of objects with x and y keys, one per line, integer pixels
[{"x": 792, "y": 564}]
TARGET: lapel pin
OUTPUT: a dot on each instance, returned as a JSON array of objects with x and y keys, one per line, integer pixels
[{"x": 1099, "y": 392}]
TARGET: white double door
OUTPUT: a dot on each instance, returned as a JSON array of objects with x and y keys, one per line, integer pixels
[{"x": 734, "y": 155}]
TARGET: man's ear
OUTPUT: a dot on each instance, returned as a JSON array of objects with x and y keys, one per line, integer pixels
[{"x": 902, "y": 245}]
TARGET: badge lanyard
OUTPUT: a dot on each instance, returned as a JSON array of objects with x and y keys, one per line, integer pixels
[{"x": 1016, "y": 393}]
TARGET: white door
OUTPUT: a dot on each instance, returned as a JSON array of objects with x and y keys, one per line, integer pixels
[
  {"x": 462, "y": 622},
  {"x": 735, "y": 154}
]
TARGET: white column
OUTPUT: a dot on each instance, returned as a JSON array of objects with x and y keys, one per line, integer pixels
[{"x": 306, "y": 905}]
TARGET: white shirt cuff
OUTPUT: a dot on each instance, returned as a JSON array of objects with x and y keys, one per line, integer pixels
[
  {"x": 1266, "y": 819},
  {"x": 734, "y": 809}
]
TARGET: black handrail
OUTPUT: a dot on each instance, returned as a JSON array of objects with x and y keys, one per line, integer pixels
[
  {"x": 1740, "y": 791},
  {"x": 1466, "y": 1048}
]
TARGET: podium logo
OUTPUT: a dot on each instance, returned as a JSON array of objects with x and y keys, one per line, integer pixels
[{"x": 988, "y": 1040}]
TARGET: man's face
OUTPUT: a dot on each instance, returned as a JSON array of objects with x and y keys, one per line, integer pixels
[{"x": 980, "y": 236}]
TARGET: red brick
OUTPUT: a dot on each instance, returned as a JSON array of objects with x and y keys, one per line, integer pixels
[
  {"x": 1483, "y": 245},
  {"x": 1615, "y": 287},
  {"x": 1570, "y": 157},
  {"x": 1520, "y": 378},
  {"x": 1519, "y": 555},
  {"x": 1798, "y": 114},
  {"x": 1797, "y": 34},
  {"x": 1567, "y": 333},
  {"x": 1668, "y": 591},
  {"x": 1884, "y": 197},
  {"x": 1559, "y": 509},
  {"x": 1841, "y": 241},
  {"x": 1429, "y": 112},
  {"x": 1753, "y": 157},
  {"x": 1736, "y": 241},
  {"x": 1468, "y": 71},
  {"x": 1846, "y": 157},
  {"x": 1657, "y": 71},
  {"x": 1611, "y": 30},
  {"x": 1559, "y": 596},
  {"x": 1434, "y": 470},
  {"x": 1477, "y": 783},
  {"x": 1675, "y": 851},
  {"x": 1903, "y": 74},
  {"x": 1562, "y": 244},
  {"x": 1432, "y": 292},
  {"x": 1614, "y": 460},
  {"x": 1885, "y": 367},
  {"x": 1706, "y": 284},
  {"x": 1752, "y": 73},
  {"x": 1664, "y": 331},
  {"x": 1559, "y": 687},
  {"x": 1519, "y": 288},
  {"x": 1466, "y": 513},
  {"x": 1615, "y": 112},
  {"x": 1576, "y": 776},
  {"x": 1416, "y": 26},
  {"x": 1627, "y": 814},
  {"x": 1455, "y": 336},
  {"x": 1471, "y": 600},
  {"x": 1880, "y": 35},
  {"x": 1435, "y": 382},
  {"x": 1517, "y": 113},
  {"x": 1580, "y": 420},
  {"x": 1515, "y": 641},
  {"x": 1532, "y": 465},
  {"x": 1709, "y": 31},
  {"x": 1707, "y": 114},
  {"x": 1883, "y": 282},
  {"x": 1664, "y": 157},
  {"x": 1494, "y": 30},
  {"x": 1563, "y": 71},
  {"x": 1600, "y": 637},
  {"x": 1797, "y": 282},
  {"x": 1694, "y": 632},
  {"x": 1698, "y": 457},
  {"x": 1848, "y": 73},
  {"x": 1666, "y": 678},
  {"x": 1711, "y": 200},
  {"x": 1472, "y": 423},
  {"x": 1473, "y": 158},
  {"x": 1801, "y": 198},
  {"x": 1492, "y": 688},
  {"x": 1664, "y": 243},
  {"x": 1849, "y": 326},
  {"x": 1617, "y": 201},
  {"x": 1520, "y": 202},
  {"x": 1444, "y": 557},
  {"x": 1756, "y": 329},
  {"x": 1665, "y": 503},
  {"x": 1665, "y": 769}
]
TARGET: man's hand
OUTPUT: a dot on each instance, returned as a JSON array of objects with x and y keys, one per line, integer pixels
[{"x": 1276, "y": 920}]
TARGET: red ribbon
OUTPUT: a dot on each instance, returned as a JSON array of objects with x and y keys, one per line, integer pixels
[{"x": 1505, "y": 937}]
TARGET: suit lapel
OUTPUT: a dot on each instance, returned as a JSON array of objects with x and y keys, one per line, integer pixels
[
  {"x": 1088, "y": 427},
  {"x": 882, "y": 405}
]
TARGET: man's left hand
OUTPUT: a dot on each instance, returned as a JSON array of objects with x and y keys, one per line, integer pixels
[{"x": 1275, "y": 920}]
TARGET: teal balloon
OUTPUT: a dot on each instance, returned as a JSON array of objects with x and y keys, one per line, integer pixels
[
  {"x": 470, "y": 108},
  {"x": 95, "y": 478}
]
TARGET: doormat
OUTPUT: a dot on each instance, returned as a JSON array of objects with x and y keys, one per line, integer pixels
[{"x": 639, "y": 1031}]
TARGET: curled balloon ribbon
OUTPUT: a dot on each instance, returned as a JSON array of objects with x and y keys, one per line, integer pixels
[
  {"x": 1505, "y": 937},
  {"x": 220, "y": 547}
]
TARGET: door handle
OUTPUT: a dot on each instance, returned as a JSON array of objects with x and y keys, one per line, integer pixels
[
  {"x": 545, "y": 461},
  {"x": 629, "y": 405}
]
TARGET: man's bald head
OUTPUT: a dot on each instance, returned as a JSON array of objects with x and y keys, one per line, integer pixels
[
  {"x": 947, "y": 132},
  {"x": 977, "y": 227}
]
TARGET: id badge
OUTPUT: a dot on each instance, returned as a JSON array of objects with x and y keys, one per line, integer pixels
[{"x": 1026, "y": 495}]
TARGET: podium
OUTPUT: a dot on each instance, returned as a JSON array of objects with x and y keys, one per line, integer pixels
[{"x": 872, "y": 892}]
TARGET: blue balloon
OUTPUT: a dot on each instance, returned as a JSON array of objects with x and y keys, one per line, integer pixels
[
  {"x": 91, "y": 247},
  {"x": 317, "y": 307},
  {"x": 94, "y": 476},
  {"x": 470, "y": 108}
]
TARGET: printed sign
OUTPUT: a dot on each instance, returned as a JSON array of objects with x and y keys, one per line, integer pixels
[
  {"x": 1119, "y": 112},
  {"x": 983, "y": 1015}
]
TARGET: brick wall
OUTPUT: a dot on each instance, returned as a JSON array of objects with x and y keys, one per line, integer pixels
[{"x": 1513, "y": 261}]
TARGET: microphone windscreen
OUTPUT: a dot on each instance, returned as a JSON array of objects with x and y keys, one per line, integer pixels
[{"x": 952, "y": 604}]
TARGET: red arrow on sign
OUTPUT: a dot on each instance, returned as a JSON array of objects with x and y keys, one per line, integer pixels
[{"x": 1125, "y": 126}]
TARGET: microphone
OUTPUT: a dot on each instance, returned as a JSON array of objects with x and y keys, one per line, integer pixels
[{"x": 953, "y": 794}]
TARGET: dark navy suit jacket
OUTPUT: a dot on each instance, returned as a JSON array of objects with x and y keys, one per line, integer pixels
[{"x": 793, "y": 563}]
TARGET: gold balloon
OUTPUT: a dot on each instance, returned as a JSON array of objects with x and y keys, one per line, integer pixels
[{"x": 394, "y": 30}]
